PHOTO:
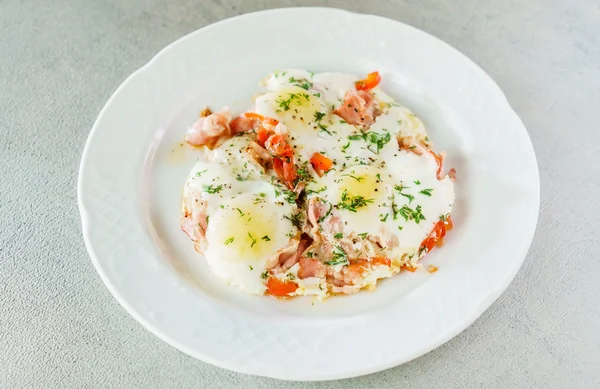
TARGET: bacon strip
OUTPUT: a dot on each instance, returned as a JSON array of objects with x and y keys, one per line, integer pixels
[{"x": 358, "y": 108}]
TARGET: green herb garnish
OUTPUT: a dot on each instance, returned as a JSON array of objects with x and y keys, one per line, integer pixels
[
  {"x": 426, "y": 192},
  {"x": 353, "y": 203},
  {"x": 339, "y": 257},
  {"x": 285, "y": 103},
  {"x": 296, "y": 219},
  {"x": 303, "y": 174},
  {"x": 408, "y": 196},
  {"x": 361, "y": 136},
  {"x": 411, "y": 214},
  {"x": 290, "y": 196},
  {"x": 212, "y": 190},
  {"x": 324, "y": 128},
  {"x": 358, "y": 179},
  {"x": 378, "y": 141},
  {"x": 310, "y": 191},
  {"x": 253, "y": 240},
  {"x": 301, "y": 83}
]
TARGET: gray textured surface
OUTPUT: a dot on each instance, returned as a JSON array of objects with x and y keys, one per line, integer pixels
[{"x": 60, "y": 327}]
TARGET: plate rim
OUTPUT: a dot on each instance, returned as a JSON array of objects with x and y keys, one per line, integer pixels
[{"x": 465, "y": 322}]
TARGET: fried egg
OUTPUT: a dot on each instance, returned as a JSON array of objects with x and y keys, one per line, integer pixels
[
  {"x": 380, "y": 196},
  {"x": 245, "y": 232},
  {"x": 249, "y": 218}
]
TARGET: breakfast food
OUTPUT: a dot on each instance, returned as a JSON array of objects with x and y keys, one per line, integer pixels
[{"x": 325, "y": 186}]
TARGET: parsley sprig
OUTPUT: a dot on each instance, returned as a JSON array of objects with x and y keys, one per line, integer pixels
[
  {"x": 400, "y": 188},
  {"x": 353, "y": 203},
  {"x": 253, "y": 239},
  {"x": 302, "y": 83},
  {"x": 411, "y": 214},
  {"x": 292, "y": 98},
  {"x": 296, "y": 219},
  {"x": 426, "y": 192},
  {"x": 339, "y": 257},
  {"x": 376, "y": 140},
  {"x": 210, "y": 189}
]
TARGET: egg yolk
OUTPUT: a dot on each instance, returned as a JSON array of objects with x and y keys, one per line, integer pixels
[
  {"x": 249, "y": 231},
  {"x": 359, "y": 186},
  {"x": 297, "y": 108}
]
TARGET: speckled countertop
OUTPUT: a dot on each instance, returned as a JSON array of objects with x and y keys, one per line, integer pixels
[{"x": 61, "y": 328}]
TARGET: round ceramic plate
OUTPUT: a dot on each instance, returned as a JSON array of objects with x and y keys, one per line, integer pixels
[{"x": 134, "y": 167}]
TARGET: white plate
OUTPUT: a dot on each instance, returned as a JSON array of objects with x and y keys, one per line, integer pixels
[{"x": 133, "y": 170}]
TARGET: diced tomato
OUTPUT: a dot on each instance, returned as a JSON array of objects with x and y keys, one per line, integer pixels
[
  {"x": 320, "y": 162},
  {"x": 289, "y": 172},
  {"x": 283, "y": 161},
  {"x": 381, "y": 261},
  {"x": 254, "y": 115},
  {"x": 449, "y": 223},
  {"x": 436, "y": 236},
  {"x": 278, "y": 166},
  {"x": 429, "y": 243},
  {"x": 440, "y": 229},
  {"x": 285, "y": 168},
  {"x": 358, "y": 268},
  {"x": 278, "y": 288},
  {"x": 262, "y": 135},
  {"x": 372, "y": 80},
  {"x": 278, "y": 147}
]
